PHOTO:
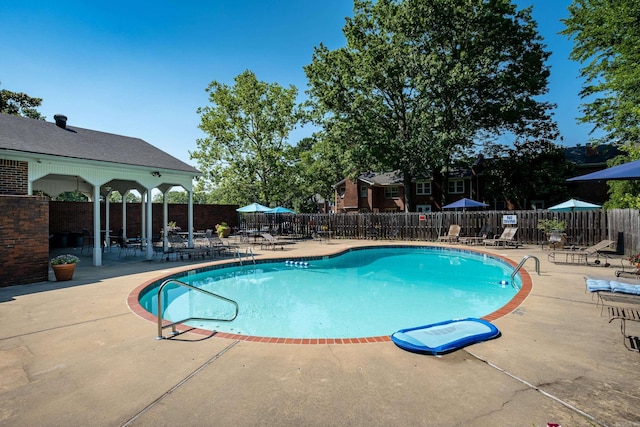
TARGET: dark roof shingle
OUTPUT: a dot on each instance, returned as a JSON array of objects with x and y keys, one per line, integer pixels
[{"x": 41, "y": 137}]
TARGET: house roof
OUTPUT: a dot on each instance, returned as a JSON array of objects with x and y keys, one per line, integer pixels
[
  {"x": 591, "y": 155},
  {"x": 41, "y": 137},
  {"x": 381, "y": 179}
]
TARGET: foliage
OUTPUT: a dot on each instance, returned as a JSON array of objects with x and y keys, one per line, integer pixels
[
  {"x": 247, "y": 127},
  {"x": 551, "y": 225},
  {"x": 606, "y": 37},
  {"x": 635, "y": 259},
  {"x": 65, "y": 259},
  {"x": 624, "y": 194},
  {"x": 20, "y": 104},
  {"x": 535, "y": 169},
  {"x": 116, "y": 197},
  {"x": 420, "y": 83},
  {"x": 72, "y": 196}
]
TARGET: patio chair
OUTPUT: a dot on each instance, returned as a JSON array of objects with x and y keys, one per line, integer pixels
[
  {"x": 87, "y": 241},
  {"x": 579, "y": 256},
  {"x": 218, "y": 247},
  {"x": 617, "y": 290},
  {"x": 623, "y": 314},
  {"x": 507, "y": 238},
  {"x": 484, "y": 233},
  {"x": 453, "y": 234},
  {"x": 269, "y": 241}
]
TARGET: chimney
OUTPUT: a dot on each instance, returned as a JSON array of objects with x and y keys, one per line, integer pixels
[
  {"x": 590, "y": 150},
  {"x": 61, "y": 121}
]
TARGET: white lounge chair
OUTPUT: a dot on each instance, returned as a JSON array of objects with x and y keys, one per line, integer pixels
[
  {"x": 453, "y": 234},
  {"x": 271, "y": 242},
  {"x": 507, "y": 238},
  {"x": 579, "y": 256}
]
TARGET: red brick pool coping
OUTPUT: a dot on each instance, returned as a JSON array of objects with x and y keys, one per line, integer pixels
[{"x": 134, "y": 305}]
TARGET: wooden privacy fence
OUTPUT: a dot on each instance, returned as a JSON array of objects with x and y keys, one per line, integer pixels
[{"x": 588, "y": 227}]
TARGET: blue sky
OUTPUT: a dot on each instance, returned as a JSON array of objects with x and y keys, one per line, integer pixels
[{"x": 141, "y": 68}]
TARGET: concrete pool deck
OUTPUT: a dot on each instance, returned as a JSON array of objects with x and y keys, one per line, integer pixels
[{"x": 73, "y": 353}]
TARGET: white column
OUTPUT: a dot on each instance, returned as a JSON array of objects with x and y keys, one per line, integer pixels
[
  {"x": 190, "y": 221},
  {"x": 143, "y": 216},
  {"x": 124, "y": 215},
  {"x": 149, "y": 226},
  {"x": 97, "y": 250},
  {"x": 107, "y": 221},
  {"x": 165, "y": 220}
]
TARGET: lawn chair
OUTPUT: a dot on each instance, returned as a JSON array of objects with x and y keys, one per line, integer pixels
[
  {"x": 271, "y": 242},
  {"x": 507, "y": 238},
  {"x": 579, "y": 256},
  {"x": 453, "y": 234},
  {"x": 482, "y": 235}
]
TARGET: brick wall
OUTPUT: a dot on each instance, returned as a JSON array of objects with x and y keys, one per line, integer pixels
[
  {"x": 24, "y": 239},
  {"x": 77, "y": 216},
  {"x": 14, "y": 179}
]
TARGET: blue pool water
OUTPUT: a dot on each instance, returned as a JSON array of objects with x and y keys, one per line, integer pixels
[{"x": 364, "y": 292}]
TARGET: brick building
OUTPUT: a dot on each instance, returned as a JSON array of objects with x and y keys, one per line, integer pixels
[{"x": 43, "y": 157}]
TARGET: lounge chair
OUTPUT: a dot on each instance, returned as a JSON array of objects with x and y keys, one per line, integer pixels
[
  {"x": 617, "y": 291},
  {"x": 453, "y": 234},
  {"x": 507, "y": 238},
  {"x": 579, "y": 256},
  {"x": 482, "y": 235},
  {"x": 269, "y": 241},
  {"x": 218, "y": 247},
  {"x": 623, "y": 314}
]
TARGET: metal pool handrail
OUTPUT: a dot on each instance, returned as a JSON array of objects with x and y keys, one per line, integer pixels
[
  {"x": 515, "y": 270},
  {"x": 193, "y": 288}
]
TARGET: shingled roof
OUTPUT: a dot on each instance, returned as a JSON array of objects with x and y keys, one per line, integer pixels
[{"x": 41, "y": 137}]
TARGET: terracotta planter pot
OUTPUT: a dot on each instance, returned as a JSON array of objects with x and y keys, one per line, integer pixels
[{"x": 63, "y": 272}]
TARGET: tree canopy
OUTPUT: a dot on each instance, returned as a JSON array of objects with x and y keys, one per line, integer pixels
[
  {"x": 248, "y": 124},
  {"x": 606, "y": 37},
  {"x": 20, "y": 104},
  {"x": 421, "y": 82}
]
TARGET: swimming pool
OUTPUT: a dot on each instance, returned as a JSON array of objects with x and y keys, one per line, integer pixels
[{"x": 362, "y": 292}]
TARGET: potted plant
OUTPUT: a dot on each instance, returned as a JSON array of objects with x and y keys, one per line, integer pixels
[
  {"x": 223, "y": 230},
  {"x": 554, "y": 230},
  {"x": 635, "y": 260},
  {"x": 64, "y": 266}
]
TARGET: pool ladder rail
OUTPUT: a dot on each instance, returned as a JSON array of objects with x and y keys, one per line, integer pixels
[
  {"x": 519, "y": 266},
  {"x": 248, "y": 253},
  {"x": 173, "y": 325}
]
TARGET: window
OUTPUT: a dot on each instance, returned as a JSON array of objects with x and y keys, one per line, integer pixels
[
  {"x": 391, "y": 192},
  {"x": 423, "y": 208},
  {"x": 423, "y": 188},
  {"x": 456, "y": 186},
  {"x": 363, "y": 191},
  {"x": 341, "y": 191}
]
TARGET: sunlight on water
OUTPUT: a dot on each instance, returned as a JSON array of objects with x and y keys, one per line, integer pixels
[{"x": 368, "y": 292}]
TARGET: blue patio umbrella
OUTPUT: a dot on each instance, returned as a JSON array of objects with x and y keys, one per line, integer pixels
[
  {"x": 627, "y": 171},
  {"x": 572, "y": 205},
  {"x": 279, "y": 210},
  {"x": 465, "y": 204},
  {"x": 253, "y": 208}
]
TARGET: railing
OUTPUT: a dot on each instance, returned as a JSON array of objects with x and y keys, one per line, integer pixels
[
  {"x": 248, "y": 252},
  {"x": 193, "y": 288},
  {"x": 519, "y": 266}
]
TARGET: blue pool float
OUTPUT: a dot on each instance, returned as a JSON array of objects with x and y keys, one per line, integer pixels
[{"x": 444, "y": 337}]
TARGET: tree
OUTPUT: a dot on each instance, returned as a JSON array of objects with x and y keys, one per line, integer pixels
[
  {"x": 116, "y": 197},
  {"x": 421, "y": 82},
  {"x": 606, "y": 37},
  {"x": 248, "y": 126},
  {"x": 533, "y": 169},
  {"x": 624, "y": 194},
  {"x": 20, "y": 104}
]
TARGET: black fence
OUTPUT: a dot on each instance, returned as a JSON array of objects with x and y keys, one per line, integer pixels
[{"x": 585, "y": 227}]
